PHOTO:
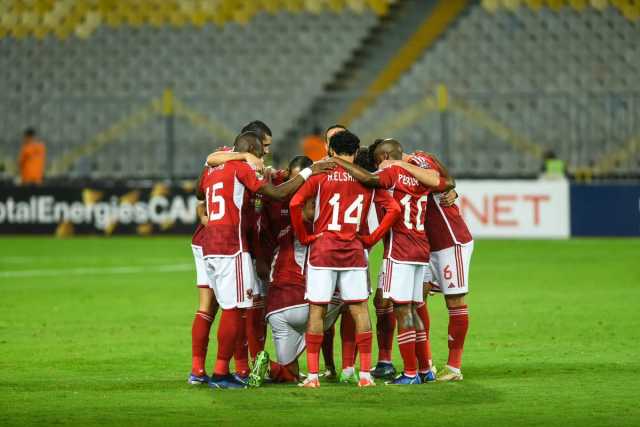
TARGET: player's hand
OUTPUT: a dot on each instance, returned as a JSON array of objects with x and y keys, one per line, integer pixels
[
  {"x": 267, "y": 173},
  {"x": 448, "y": 198},
  {"x": 309, "y": 238},
  {"x": 322, "y": 166},
  {"x": 389, "y": 162},
  {"x": 257, "y": 163},
  {"x": 262, "y": 269},
  {"x": 367, "y": 240}
]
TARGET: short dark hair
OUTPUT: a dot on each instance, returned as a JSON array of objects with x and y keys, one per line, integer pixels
[
  {"x": 372, "y": 149},
  {"x": 29, "y": 132},
  {"x": 336, "y": 126},
  {"x": 344, "y": 142},
  {"x": 300, "y": 162},
  {"x": 248, "y": 142},
  {"x": 363, "y": 159},
  {"x": 259, "y": 127}
]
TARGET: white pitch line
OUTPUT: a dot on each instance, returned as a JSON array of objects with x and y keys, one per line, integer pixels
[{"x": 96, "y": 270}]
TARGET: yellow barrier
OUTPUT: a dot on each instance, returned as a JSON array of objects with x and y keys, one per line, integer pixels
[{"x": 81, "y": 18}]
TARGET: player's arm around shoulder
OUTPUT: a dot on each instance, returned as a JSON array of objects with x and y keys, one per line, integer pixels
[
  {"x": 363, "y": 176},
  {"x": 427, "y": 177},
  {"x": 221, "y": 157},
  {"x": 286, "y": 189}
]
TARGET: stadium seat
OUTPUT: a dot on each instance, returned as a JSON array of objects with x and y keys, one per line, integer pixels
[{"x": 556, "y": 76}]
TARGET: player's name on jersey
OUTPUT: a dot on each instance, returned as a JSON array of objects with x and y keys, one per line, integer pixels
[
  {"x": 340, "y": 176},
  {"x": 407, "y": 180}
]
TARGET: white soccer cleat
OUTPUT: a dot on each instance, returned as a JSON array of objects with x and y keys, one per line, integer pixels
[
  {"x": 449, "y": 374},
  {"x": 310, "y": 383}
]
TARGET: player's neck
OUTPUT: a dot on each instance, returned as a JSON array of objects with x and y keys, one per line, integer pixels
[{"x": 345, "y": 157}]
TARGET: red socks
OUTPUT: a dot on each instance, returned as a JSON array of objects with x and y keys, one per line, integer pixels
[
  {"x": 256, "y": 328},
  {"x": 314, "y": 342},
  {"x": 423, "y": 336},
  {"x": 200, "y": 341},
  {"x": 385, "y": 326},
  {"x": 348, "y": 337},
  {"x": 228, "y": 333},
  {"x": 364, "y": 343},
  {"x": 327, "y": 347},
  {"x": 407, "y": 344},
  {"x": 241, "y": 353},
  {"x": 458, "y": 326},
  {"x": 421, "y": 351}
]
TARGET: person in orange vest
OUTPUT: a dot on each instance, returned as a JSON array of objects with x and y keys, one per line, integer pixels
[
  {"x": 313, "y": 146},
  {"x": 32, "y": 159}
]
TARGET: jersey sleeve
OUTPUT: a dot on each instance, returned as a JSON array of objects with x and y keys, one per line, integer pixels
[
  {"x": 247, "y": 176},
  {"x": 391, "y": 215},
  {"x": 387, "y": 177},
  {"x": 304, "y": 193}
]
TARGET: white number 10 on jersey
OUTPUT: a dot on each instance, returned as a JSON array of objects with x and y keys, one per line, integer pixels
[{"x": 352, "y": 215}]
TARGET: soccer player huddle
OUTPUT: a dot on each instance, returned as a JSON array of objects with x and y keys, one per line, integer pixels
[{"x": 289, "y": 248}]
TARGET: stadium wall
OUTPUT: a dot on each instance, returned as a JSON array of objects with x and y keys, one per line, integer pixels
[
  {"x": 492, "y": 208},
  {"x": 605, "y": 210}
]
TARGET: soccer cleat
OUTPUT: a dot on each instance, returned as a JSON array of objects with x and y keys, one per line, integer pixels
[
  {"x": 259, "y": 369},
  {"x": 198, "y": 379},
  {"x": 366, "y": 382},
  {"x": 348, "y": 378},
  {"x": 244, "y": 379},
  {"x": 330, "y": 374},
  {"x": 384, "y": 370},
  {"x": 226, "y": 382},
  {"x": 310, "y": 383},
  {"x": 450, "y": 375},
  {"x": 402, "y": 379},
  {"x": 428, "y": 377}
]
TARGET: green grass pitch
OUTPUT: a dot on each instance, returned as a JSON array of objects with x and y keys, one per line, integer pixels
[{"x": 97, "y": 331}]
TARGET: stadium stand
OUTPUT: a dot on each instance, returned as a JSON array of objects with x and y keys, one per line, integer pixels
[
  {"x": 522, "y": 80},
  {"x": 508, "y": 81},
  {"x": 98, "y": 93}
]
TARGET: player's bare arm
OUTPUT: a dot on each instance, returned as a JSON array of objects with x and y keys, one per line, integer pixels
[
  {"x": 202, "y": 213},
  {"x": 365, "y": 177},
  {"x": 426, "y": 177},
  {"x": 220, "y": 157},
  {"x": 285, "y": 189}
]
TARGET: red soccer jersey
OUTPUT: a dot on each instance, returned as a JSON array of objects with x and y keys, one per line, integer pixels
[
  {"x": 198, "y": 235},
  {"x": 445, "y": 226},
  {"x": 227, "y": 190},
  {"x": 274, "y": 216},
  {"x": 342, "y": 208},
  {"x": 407, "y": 241},
  {"x": 287, "y": 279}
]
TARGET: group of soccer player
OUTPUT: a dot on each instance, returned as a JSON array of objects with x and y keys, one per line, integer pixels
[{"x": 289, "y": 248}]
